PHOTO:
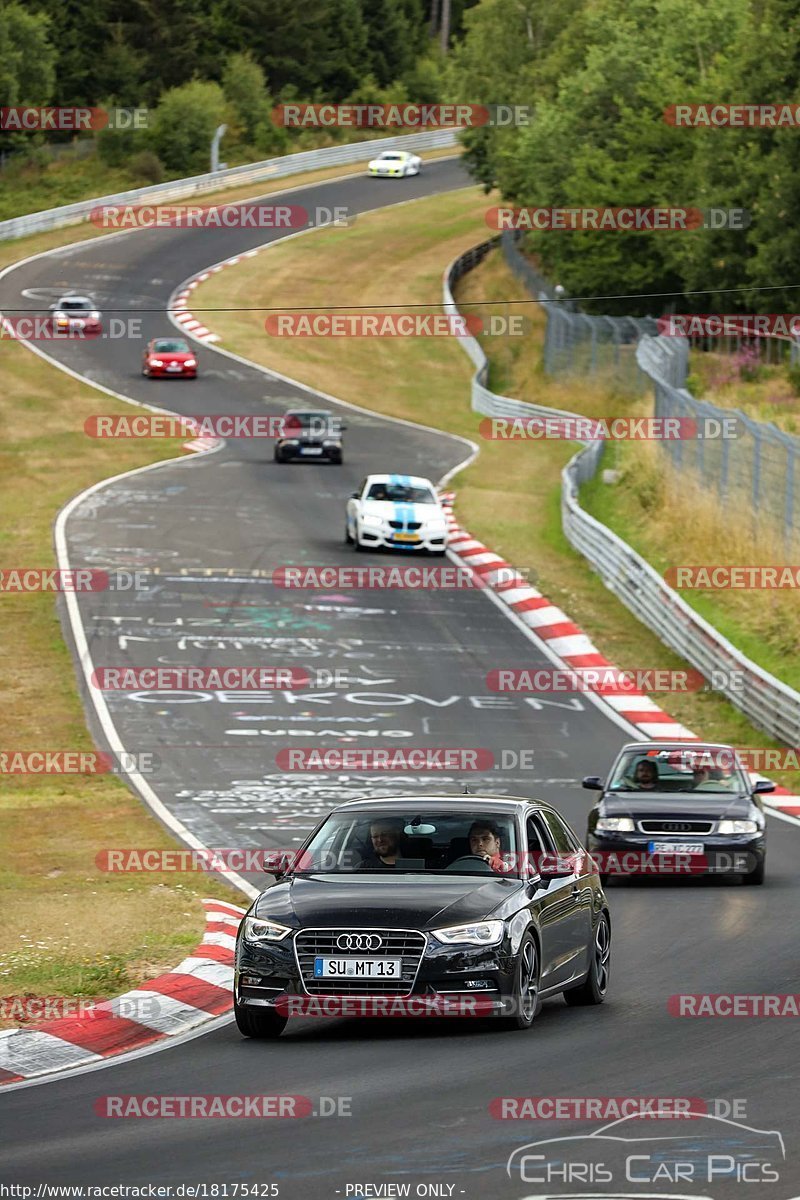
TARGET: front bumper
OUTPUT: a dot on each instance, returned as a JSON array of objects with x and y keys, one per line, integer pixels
[
  {"x": 310, "y": 451},
  {"x": 478, "y": 979},
  {"x": 395, "y": 174},
  {"x": 383, "y": 539},
  {"x": 628, "y": 854},
  {"x": 165, "y": 373}
]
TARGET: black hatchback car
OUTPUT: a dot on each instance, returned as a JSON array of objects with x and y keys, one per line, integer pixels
[
  {"x": 310, "y": 435},
  {"x": 678, "y": 808},
  {"x": 421, "y": 904}
]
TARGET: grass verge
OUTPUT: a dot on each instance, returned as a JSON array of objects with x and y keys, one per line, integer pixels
[
  {"x": 68, "y": 929},
  {"x": 510, "y": 497}
]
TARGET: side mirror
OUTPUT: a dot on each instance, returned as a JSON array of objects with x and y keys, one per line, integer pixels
[
  {"x": 278, "y": 862},
  {"x": 592, "y": 783},
  {"x": 355, "y": 495},
  {"x": 763, "y": 785}
]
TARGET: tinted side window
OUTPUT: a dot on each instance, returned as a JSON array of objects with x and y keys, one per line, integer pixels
[{"x": 563, "y": 838}]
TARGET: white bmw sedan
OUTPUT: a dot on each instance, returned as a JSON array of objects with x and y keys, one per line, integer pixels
[{"x": 399, "y": 512}]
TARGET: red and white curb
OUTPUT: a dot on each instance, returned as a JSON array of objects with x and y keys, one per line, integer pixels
[
  {"x": 198, "y": 990},
  {"x": 180, "y": 302},
  {"x": 571, "y": 645}
]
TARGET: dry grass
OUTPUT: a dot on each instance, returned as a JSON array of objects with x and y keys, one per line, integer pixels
[
  {"x": 768, "y": 395},
  {"x": 510, "y": 496},
  {"x": 67, "y": 928}
]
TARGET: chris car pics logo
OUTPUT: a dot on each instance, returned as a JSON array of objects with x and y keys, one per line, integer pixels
[{"x": 645, "y": 1152}]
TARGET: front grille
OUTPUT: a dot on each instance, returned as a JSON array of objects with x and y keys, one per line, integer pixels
[
  {"x": 408, "y": 525},
  {"x": 658, "y": 826},
  {"x": 396, "y": 943}
]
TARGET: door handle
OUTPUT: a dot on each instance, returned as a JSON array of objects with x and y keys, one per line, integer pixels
[{"x": 576, "y": 890}]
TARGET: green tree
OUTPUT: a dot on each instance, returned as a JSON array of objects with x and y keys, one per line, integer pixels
[
  {"x": 183, "y": 125},
  {"x": 27, "y": 57}
]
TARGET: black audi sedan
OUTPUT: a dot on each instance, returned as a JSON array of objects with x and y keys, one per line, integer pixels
[
  {"x": 310, "y": 435},
  {"x": 443, "y": 905},
  {"x": 678, "y": 808}
]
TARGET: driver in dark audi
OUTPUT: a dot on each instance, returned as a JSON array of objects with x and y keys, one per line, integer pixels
[{"x": 435, "y": 899}]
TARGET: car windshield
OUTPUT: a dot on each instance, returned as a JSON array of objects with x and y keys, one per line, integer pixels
[
  {"x": 317, "y": 422},
  {"x": 76, "y": 305},
  {"x": 413, "y": 841},
  {"x": 167, "y": 347},
  {"x": 401, "y": 493},
  {"x": 701, "y": 770},
  {"x": 389, "y": 157}
]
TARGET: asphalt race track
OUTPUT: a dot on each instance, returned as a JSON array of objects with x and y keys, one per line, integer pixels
[{"x": 208, "y": 530}]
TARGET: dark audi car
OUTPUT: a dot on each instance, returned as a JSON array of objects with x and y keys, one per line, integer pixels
[
  {"x": 310, "y": 435},
  {"x": 678, "y": 808},
  {"x": 426, "y": 900}
]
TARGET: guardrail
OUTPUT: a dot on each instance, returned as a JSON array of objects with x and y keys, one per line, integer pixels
[
  {"x": 269, "y": 168},
  {"x": 770, "y": 704}
]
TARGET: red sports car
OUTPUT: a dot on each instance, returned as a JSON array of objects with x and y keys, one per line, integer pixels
[{"x": 165, "y": 357}]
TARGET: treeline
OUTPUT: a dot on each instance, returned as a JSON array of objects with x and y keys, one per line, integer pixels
[
  {"x": 600, "y": 75},
  {"x": 198, "y": 63},
  {"x": 596, "y": 75}
]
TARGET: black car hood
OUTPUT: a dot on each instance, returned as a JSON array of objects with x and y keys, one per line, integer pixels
[
  {"x": 698, "y": 805},
  {"x": 371, "y": 899}
]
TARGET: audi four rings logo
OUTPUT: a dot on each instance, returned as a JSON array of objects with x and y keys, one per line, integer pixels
[
  {"x": 678, "y": 826},
  {"x": 359, "y": 941}
]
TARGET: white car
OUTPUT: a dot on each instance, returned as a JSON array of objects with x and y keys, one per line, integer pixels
[
  {"x": 75, "y": 314},
  {"x": 397, "y": 512},
  {"x": 395, "y": 163}
]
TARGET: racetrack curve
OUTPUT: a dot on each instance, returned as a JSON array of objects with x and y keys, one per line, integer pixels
[{"x": 213, "y": 528}]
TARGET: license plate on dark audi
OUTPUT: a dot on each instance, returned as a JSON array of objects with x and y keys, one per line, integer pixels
[{"x": 357, "y": 968}]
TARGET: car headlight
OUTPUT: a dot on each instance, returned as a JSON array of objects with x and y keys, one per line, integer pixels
[
  {"x": 156, "y": 362},
  {"x": 615, "y": 825},
  {"x": 729, "y": 826},
  {"x": 478, "y": 933},
  {"x": 290, "y": 441},
  {"x": 94, "y": 316},
  {"x": 256, "y": 930},
  {"x": 190, "y": 362},
  {"x": 331, "y": 442},
  {"x": 371, "y": 519}
]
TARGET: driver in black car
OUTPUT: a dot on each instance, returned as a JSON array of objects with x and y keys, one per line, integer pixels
[
  {"x": 484, "y": 842},
  {"x": 385, "y": 837},
  {"x": 645, "y": 777}
]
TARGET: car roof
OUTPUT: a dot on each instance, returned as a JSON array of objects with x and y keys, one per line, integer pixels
[
  {"x": 449, "y": 802},
  {"x": 643, "y": 747},
  {"x": 419, "y": 480},
  {"x": 71, "y": 296}
]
